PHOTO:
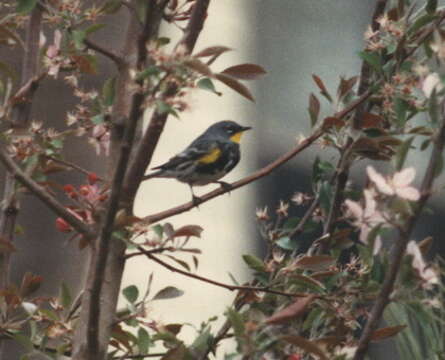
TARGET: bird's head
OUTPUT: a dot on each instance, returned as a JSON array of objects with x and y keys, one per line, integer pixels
[{"x": 228, "y": 129}]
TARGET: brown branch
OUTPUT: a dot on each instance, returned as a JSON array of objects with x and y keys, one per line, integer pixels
[
  {"x": 398, "y": 251},
  {"x": 44, "y": 195},
  {"x": 217, "y": 283},
  {"x": 258, "y": 174},
  {"x": 119, "y": 61},
  {"x": 73, "y": 166},
  {"x": 149, "y": 142}
]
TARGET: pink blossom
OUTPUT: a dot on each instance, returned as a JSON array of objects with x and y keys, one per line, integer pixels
[
  {"x": 426, "y": 273},
  {"x": 398, "y": 184}
]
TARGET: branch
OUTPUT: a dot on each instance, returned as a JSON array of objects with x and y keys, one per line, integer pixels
[
  {"x": 258, "y": 174},
  {"x": 217, "y": 283},
  {"x": 119, "y": 61},
  {"x": 72, "y": 165},
  {"x": 398, "y": 252},
  {"x": 44, "y": 196},
  {"x": 149, "y": 142}
]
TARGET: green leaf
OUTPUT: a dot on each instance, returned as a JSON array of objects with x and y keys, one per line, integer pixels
[
  {"x": 93, "y": 28},
  {"x": 433, "y": 107},
  {"x": 111, "y": 6},
  {"x": 237, "y": 322},
  {"x": 286, "y": 243},
  {"x": 421, "y": 22},
  {"x": 152, "y": 70},
  {"x": 402, "y": 152},
  {"x": 372, "y": 59},
  {"x": 325, "y": 194},
  {"x": 254, "y": 263},
  {"x": 159, "y": 230},
  {"x": 131, "y": 293},
  {"x": 108, "y": 91},
  {"x": 431, "y": 6},
  {"x": 25, "y": 6},
  {"x": 163, "y": 108},
  {"x": 169, "y": 292},
  {"x": 57, "y": 143},
  {"x": 98, "y": 119},
  {"x": 207, "y": 84},
  {"x": 144, "y": 341},
  {"x": 401, "y": 109},
  {"x": 78, "y": 38},
  {"x": 65, "y": 295}
]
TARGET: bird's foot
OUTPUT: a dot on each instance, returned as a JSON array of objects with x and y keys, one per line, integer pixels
[
  {"x": 196, "y": 200},
  {"x": 225, "y": 186}
]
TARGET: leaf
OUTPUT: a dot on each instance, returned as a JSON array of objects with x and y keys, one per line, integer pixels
[
  {"x": 286, "y": 243},
  {"x": 254, "y": 263},
  {"x": 346, "y": 86},
  {"x": 401, "y": 109},
  {"x": 207, "y": 84},
  {"x": 199, "y": 66},
  {"x": 174, "y": 328},
  {"x": 180, "y": 262},
  {"x": 163, "y": 108},
  {"x": 78, "y": 38},
  {"x": 65, "y": 295},
  {"x": 322, "y": 88},
  {"x": 245, "y": 71},
  {"x": 292, "y": 311},
  {"x": 307, "y": 282},
  {"x": 235, "y": 85},
  {"x": 237, "y": 322},
  {"x": 188, "y": 230},
  {"x": 108, "y": 91},
  {"x": 212, "y": 51},
  {"x": 25, "y": 6},
  {"x": 177, "y": 353},
  {"x": 143, "y": 341},
  {"x": 30, "y": 284},
  {"x": 305, "y": 344},
  {"x": 370, "y": 120},
  {"x": 86, "y": 63},
  {"x": 152, "y": 70},
  {"x": 111, "y": 6},
  {"x": 372, "y": 59},
  {"x": 386, "y": 332},
  {"x": 431, "y": 6},
  {"x": 169, "y": 292},
  {"x": 314, "y": 108},
  {"x": 402, "y": 152},
  {"x": 131, "y": 293},
  {"x": 420, "y": 22},
  {"x": 315, "y": 262}
]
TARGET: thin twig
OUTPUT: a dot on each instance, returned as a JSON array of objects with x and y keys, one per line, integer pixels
[
  {"x": 217, "y": 283},
  {"x": 119, "y": 61},
  {"x": 73, "y": 166},
  {"x": 398, "y": 251},
  {"x": 258, "y": 174}
]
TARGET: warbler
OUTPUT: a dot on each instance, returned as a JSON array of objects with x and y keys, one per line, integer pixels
[{"x": 207, "y": 159}]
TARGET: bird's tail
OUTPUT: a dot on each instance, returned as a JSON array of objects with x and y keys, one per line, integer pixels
[{"x": 152, "y": 175}]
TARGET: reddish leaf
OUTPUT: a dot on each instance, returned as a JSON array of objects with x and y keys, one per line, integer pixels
[
  {"x": 30, "y": 283},
  {"x": 245, "y": 71},
  {"x": 212, "y": 51},
  {"x": 85, "y": 63},
  {"x": 199, "y": 66},
  {"x": 314, "y": 108},
  {"x": 331, "y": 121},
  {"x": 371, "y": 120},
  {"x": 177, "y": 353},
  {"x": 305, "y": 344},
  {"x": 321, "y": 86},
  {"x": 316, "y": 262},
  {"x": 174, "y": 328},
  {"x": 386, "y": 332},
  {"x": 63, "y": 226},
  {"x": 188, "y": 230},
  {"x": 235, "y": 85},
  {"x": 346, "y": 85},
  {"x": 292, "y": 311}
]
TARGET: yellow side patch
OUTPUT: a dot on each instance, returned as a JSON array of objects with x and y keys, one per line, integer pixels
[
  {"x": 237, "y": 137},
  {"x": 210, "y": 157}
]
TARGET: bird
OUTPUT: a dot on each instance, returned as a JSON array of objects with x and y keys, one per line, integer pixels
[{"x": 207, "y": 159}]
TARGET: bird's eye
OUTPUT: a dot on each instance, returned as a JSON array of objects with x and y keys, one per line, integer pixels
[{"x": 230, "y": 131}]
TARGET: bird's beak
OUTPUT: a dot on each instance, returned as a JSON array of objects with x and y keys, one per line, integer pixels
[{"x": 244, "y": 128}]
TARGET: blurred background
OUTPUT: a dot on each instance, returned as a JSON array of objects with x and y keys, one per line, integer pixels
[{"x": 292, "y": 40}]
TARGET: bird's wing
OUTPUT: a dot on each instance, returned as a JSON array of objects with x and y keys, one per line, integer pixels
[{"x": 203, "y": 151}]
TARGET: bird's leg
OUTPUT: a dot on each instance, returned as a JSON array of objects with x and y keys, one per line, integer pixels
[{"x": 196, "y": 200}]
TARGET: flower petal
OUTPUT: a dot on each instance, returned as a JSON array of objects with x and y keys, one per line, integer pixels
[
  {"x": 354, "y": 208},
  {"x": 379, "y": 181},
  {"x": 404, "y": 177},
  {"x": 409, "y": 193}
]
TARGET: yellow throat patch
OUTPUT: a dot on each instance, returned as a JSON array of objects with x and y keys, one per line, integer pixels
[
  {"x": 211, "y": 157},
  {"x": 237, "y": 137}
]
